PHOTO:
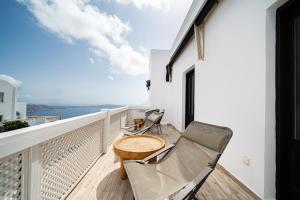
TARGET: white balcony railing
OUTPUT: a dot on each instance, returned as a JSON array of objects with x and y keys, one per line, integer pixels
[{"x": 47, "y": 161}]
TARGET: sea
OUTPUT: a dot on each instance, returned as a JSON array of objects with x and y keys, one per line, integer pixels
[{"x": 65, "y": 112}]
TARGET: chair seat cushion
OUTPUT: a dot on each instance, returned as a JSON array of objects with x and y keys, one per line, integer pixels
[
  {"x": 154, "y": 117},
  {"x": 172, "y": 173},
  {"x": 149, "y": 183}
]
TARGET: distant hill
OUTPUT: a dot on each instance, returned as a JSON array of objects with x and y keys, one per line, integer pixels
[
  {"x": 36, "y": 107},
  {"x": 39, "y": 107}
]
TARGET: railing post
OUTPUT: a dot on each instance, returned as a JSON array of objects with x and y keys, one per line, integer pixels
[
  {"x": 124, "y": 118},
  {"x": 25, "y": 176},
  {"x": 106, "y": 133},
  {"x": 120, "y": 121},
  {"x": 35, "y": 173}
]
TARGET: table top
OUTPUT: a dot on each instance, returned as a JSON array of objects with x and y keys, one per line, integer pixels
[{"x": 139, "y": 143}]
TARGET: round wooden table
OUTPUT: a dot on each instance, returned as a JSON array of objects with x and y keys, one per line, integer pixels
[{"x": 136, "y": 147}]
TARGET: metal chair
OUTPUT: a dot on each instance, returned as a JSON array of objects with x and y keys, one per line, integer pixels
[
  {"x": 184, "y": 166},
  {"x": 151, "y": 120}
]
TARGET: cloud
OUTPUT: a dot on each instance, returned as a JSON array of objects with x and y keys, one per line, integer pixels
[
  {"x": 80, "y": 20},
  {"x": 96, "y": 52},
  {"x": 92, "y": 61},
  {"x": 155, "y": 4},
  {"x": 110, "y": 78}
]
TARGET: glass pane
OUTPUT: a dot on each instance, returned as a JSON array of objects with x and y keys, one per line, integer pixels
[{"x": 297, "y": 75}]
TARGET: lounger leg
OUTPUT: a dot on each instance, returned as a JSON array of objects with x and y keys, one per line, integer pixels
[
  {"x": 160, "y": 129},
  {"x": 193, "y": 193},
  {"x": 192, "y": 198},
  {"x": 157, "y": 129}
]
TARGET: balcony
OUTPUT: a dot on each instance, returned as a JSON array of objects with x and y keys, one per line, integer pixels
[{"x": 73, "y": 159}]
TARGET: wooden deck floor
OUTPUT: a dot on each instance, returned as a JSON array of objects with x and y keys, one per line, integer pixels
[{"x": 102, "y": 182}]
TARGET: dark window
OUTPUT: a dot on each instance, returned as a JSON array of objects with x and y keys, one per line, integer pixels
[
  {"x": 148, "y": 84},
  {"x": 189, "y": 97},
  {"x": 1, "y": 118},
  {"x": 1, "y": 97},
  {"x": 18, "y": 114},
  {"x": 169, "y": 73}
]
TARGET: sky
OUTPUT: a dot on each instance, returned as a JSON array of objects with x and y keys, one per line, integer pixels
[{"x": 85, "y": 52}]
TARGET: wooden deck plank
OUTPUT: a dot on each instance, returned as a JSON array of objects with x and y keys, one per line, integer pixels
[{"x": 103, "y": 182}]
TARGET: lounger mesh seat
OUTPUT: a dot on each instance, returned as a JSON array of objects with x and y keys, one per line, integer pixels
[
  {"x": 197, "y": 149},
  {"x": 152, "y": 119}
]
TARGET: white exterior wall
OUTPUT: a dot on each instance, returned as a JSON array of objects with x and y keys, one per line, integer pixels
[
  {"x": 234, "y": 87},
  {"x": 158, "y": 62},
  {"x": 21, "y": 107},
  {"x": 169, "y": 96},
  {"x": 231, "y": 85},
  {"x": 8, "y": 107}
]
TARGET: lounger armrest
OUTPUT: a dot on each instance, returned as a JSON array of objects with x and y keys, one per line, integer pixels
[
  {"x": 133, "y": 125},
  {"x": 127, "y": 127},
  {"x": 167, "y": 148},
  {"x": 128, "y": 133},
  {"x": 142, "y": 131},
  {"x": 199, "y": 180}
]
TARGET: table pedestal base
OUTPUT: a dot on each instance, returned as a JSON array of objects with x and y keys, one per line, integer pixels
[{"x": 136, "y": 147}]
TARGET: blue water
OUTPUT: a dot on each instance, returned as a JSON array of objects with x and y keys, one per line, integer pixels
[{"x": 65, "y": 112}]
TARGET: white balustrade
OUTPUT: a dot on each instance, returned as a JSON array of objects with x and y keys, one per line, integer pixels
[{"x": 47, "y": 161}]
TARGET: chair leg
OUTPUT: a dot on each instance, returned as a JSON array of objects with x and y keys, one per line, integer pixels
[
  {"x": 193, "y": 193},
  {"x": 157, "y": 129},
  {"x": 192, "y": 198},
  {"x": 160, "y": 129}
]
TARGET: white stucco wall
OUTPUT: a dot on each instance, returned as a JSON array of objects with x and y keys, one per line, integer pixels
[
  {"x": 158, "y": 62},
  {"x": 234, "y": 87},
  {"x": 7, "y": 108},
  {"x": 21, "y": 107}
]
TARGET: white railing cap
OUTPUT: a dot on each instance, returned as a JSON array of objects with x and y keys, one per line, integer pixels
[
  {"x": 116, "y": 110},
  {"x": 139, "y": 107},
  {"x": 18, "y": 140}
]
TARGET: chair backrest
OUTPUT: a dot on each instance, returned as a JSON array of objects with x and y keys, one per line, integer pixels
[
  {"x": 148, "y": 112},
  {"x": 155, "y": 117},
  {"x": 214, "y": 139},
  {"x": 211, "y": 136}
]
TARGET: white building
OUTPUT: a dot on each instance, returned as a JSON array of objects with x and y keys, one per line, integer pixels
[
  {"x": 225, "y": 74},
  {"x": 234, "y": 63},
  {"x": 10, "y": 108}
]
